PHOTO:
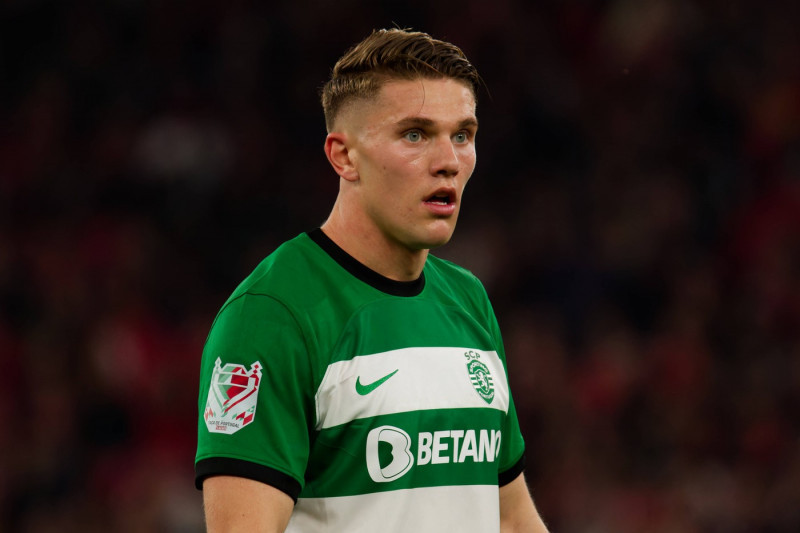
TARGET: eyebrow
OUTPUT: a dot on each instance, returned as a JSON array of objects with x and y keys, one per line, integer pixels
[{"x": 420, "y": 122}]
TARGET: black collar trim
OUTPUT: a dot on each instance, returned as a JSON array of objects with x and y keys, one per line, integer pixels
[{"x": 364, "y": 273}]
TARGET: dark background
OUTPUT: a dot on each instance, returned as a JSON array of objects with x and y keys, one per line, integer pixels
[{"x": 635, "y": 216}]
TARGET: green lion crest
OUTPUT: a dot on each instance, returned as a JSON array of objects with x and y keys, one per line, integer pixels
[{"x": 481, "y": 378}]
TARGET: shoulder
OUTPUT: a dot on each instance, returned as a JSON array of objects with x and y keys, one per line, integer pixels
[
  {"x": 277, "y": 286},
  {"x": 265, "y": 304},
  {"x": 288, "y": 263},
  {"x": 451, "y": 282},
  {"x": 293, "y": 273},
  {"x": 442, "y": 271}
]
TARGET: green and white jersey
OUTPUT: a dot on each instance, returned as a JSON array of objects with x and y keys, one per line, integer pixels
[{"x": 378, "y": 405}]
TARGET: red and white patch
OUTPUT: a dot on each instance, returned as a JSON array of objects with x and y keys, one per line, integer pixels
[{"x": 232, "y": 397}]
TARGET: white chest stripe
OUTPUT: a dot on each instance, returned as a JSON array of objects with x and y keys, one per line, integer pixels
[
  {"x": 466, "y": 509},
  {"x": 410, "y": 379}
]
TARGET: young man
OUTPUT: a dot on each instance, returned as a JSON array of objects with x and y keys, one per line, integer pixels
[{"x": 353, "y": 382}]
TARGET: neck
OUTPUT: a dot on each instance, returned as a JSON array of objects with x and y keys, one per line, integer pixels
[{"x": 370, "y": 247}]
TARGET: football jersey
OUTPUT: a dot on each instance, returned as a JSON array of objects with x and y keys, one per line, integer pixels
[{"x": 377, "y": 405}]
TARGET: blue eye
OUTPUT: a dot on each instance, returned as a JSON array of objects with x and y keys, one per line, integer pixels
[
  {"x": 414, "y": 136},
  {"x": 461, "y": 137}
]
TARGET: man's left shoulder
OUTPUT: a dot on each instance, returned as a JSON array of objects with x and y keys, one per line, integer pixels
[{"x": 448, "y": 272}]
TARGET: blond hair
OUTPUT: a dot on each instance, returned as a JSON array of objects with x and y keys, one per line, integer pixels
[{"x": 392, "y": 54}]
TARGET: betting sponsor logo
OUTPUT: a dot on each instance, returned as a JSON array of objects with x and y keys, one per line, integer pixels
[
  {"x": 232, "y": 397},
  {"x": 401, "y": 457},
  {"x": 432, "y": 448}
]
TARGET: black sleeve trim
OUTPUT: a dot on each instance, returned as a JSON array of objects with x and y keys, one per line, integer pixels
[
  {"x": 226, "y": 466},
  {"x": 504, "y": 478}
]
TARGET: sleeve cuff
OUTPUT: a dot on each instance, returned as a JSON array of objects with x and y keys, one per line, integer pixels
[
  {"x": 506, "y": 477},
  {"x": 226, "y": 466}
]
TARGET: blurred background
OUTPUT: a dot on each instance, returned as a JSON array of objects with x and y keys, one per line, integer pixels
[{"x": 635, "y": 217}]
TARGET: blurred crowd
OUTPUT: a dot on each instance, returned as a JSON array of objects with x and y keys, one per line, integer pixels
[{"x": 635, "y": 216}]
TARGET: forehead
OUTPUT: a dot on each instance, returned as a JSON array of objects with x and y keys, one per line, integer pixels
[
  {"x": 444, "y": 96},
  {"x": 440, "y": 100}
]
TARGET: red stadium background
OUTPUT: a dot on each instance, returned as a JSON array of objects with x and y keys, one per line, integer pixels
[{"x": 635, "y": 216}]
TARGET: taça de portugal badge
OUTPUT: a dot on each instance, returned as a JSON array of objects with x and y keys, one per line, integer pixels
[{"x": 232, "y": 397}]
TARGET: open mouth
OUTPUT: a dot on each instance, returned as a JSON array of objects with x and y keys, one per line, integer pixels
[{"x": 440, "y": 199}]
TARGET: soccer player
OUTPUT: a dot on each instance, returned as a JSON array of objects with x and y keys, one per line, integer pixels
[{"x": 353, "y": 382}]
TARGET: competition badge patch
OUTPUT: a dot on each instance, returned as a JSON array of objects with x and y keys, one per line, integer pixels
[
  {"x": 480, "y": 376},
  {"x": 232, "y": 397}
]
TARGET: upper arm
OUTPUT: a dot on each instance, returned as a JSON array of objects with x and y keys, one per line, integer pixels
[
  {"x": 234, "y": 504},
  {"x": 255, "y": 405},
  {"x": 517, "y": 511}
]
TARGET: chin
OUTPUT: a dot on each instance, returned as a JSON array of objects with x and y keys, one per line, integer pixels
[
  {"x": 438, "y": 238},
  {"x": 427, "y": 237}
]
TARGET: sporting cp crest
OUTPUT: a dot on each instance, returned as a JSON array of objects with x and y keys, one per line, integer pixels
[
  {"x": 480, "y": 376},
  {"x": 232, "y": 397}
]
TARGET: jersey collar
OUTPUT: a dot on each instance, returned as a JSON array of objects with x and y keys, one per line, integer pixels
[{"x": 364, "y": 273}]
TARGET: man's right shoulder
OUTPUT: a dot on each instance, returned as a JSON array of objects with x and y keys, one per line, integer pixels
[{"x": 287, "y": 273}]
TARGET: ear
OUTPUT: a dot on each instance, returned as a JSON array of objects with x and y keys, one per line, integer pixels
[{"x": 339, "y": 156}]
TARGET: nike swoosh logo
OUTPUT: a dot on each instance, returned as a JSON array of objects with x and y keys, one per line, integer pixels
[{"x": 363, "y": 390}]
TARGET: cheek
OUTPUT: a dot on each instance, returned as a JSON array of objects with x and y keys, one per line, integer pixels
[
  {"x": 469, "y": 166},
  {"x": 402, "y": 173}
]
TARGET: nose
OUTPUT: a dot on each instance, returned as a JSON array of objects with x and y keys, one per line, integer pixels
[{"x": 445, "y": 161}]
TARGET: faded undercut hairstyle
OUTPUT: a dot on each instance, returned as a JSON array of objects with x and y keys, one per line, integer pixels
[{"x": 393, "y": 54}]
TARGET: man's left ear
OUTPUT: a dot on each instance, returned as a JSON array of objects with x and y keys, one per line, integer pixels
[{"x": 339, "y": 156}]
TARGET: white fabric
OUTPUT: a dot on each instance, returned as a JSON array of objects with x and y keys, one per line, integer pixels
[
  {"x": 412, "y": 388},
  {"x": 464, "y": 509}
]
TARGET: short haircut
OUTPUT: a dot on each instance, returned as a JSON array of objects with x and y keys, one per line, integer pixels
[{"x": 393, "y": 54}]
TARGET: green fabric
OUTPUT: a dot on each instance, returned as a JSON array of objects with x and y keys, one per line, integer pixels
[{"x": 299, "y": 312}]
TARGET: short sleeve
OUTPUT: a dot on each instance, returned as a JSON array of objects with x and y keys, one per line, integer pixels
[
  {"x": 512, "y": 448},
  {"x": 256, "y": 396}
]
